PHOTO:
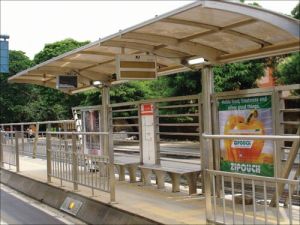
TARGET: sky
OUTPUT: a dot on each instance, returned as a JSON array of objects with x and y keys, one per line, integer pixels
[{"x": 32, "y": 24}]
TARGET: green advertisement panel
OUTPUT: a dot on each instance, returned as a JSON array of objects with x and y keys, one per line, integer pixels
[{"x": 246, "y": 116}]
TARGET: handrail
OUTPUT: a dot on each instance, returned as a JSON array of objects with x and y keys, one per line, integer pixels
[
  {"x": 247, "y": 137},
  {"x": 253, "y": 177},
  {"x": 41, "y": 122},
  {"x": 59, "y": 132},
  {"x": 79, "y": 133}
]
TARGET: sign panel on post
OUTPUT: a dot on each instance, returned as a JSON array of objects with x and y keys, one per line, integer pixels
[
  {"x": 148, "y": 134},
  {"x": 246, "y": 116},
  {"x": 136, "y": 67}
]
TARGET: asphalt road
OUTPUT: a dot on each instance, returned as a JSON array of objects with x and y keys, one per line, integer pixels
[{"x": 15, "y": 211}]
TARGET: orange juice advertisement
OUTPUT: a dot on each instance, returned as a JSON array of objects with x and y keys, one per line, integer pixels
[{"x": 246, "y": 116}]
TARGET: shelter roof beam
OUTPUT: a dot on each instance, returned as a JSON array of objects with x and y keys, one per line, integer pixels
[
  {"x": 164, "y": 52},
  {"x": 260, "y": 53},
  {"x": 214, "y": 29},
  {"x": 101, "y": 53},
  {"x": 187, "y": 46}
]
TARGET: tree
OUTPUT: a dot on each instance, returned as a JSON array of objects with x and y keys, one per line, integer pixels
[
  {"x": 296, "y": 12},
  {"x": 51, "y": 104},
  {"x": 241, "y": 75},
  {"x": 56, "y": 49},
  {"x": 288, "y": 70},
  {"x": 14, "y": 97}
]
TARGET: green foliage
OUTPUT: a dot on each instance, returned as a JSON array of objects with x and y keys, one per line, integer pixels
[
  {"x": 288, "y": 70},
  {"x": 296, "y": 12},
  {"x": 236, "y": 76},
  {"x": 56, "y": 49},
  {"x": 51, "y": 104},
  {"x": 21, "y": 102},
  {"x": 180, "y": 84},
  {"x": 13, "y": 97},
  {"x": 131, "y": 91}
]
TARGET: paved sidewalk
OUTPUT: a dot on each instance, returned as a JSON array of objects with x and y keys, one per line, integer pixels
[{"x": 159, "y": 205}]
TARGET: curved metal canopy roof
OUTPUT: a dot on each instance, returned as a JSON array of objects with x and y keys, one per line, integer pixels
[{"x": 219, "y": 31}]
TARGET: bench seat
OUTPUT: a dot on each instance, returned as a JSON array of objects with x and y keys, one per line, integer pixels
[
  {"x": 175, "y": 173},
  {"x": 129, "y": 163}
]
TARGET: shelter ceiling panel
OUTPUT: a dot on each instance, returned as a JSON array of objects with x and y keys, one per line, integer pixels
[
  {"x": 168, "y": 61},
  {"x": 153, "y": 43},
  {"x": 92, "y": 75},
  {"x": 227, "y": 42},
  {"x": 105, "y": 68},
  {"x": 74, "y": 65},
  {"x": 37, "y": 78},
  {"x": 103, "y": 50},
  {"x": 171, "y": 29},
  {"x": 88, "y": 58},
  {"x": 266, "y": 32},
  {"x": 210, "y": 16}
]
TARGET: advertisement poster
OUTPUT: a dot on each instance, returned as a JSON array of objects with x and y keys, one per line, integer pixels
[
  {"x": 92, "y": 124},
  {"x": 246, "y": 116}
]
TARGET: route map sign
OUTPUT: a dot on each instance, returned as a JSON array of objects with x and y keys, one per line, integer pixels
[{"x": 246, "y": 116}]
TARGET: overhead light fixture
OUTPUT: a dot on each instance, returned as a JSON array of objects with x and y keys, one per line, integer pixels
[
  {"x": 97, "y": 83},
  {"x": 196, "y": 61}
]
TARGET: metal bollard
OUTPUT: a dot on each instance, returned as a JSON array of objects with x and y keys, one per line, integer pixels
[
  {"x": 48, "y": 155},
  {"x": 74, "y": 163}
]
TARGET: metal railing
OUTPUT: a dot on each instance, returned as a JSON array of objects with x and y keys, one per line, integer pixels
[
  {"x": 234, "y": 198},
  {"x": 125, "y": 122},
  {"x": 244, "y": 199},
  {"x": 67, "y": 162},
  {"x": 9, "y": 149}
]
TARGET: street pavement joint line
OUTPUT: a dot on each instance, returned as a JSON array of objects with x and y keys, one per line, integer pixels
[{"x": 47, "y": 209}]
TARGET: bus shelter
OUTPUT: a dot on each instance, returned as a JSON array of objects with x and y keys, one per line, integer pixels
[{"x": 212, "y": 32}]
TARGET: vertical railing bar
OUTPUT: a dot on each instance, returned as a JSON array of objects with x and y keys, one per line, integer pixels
[
  {"x": 277, "y": 203},
  {"x": 243, "y": 199},
  {"x": 290, "y": 205},
  {"x": 224, "y": 202},
  {"x": 214, "y": 196},
  {"x": 233, "y": 200},
  {"x": 61, "y": 163},
  {"x": 92, "y": 180},
  {"x": 48, "y": 157},
  {"x": 265, "y": 202},
  {"x": 17, "y": 151},
  {"x": 82, "y": 168},
  {"x": 254, "y": 202}
]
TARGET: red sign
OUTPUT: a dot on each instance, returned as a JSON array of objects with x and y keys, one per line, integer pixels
[{"x": 147, "y": 109}]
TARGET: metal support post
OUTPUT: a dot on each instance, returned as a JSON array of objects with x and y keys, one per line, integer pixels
[
  {"x": 207, "y": 145},
  {"x": 278, "y": 105},
  {"x": 11, "y": 135},
  {"x": 74, "y": 163},
  {"x": 17, "y": 151},
  {"x": 1, "y": 148},
  {"x": 22, "y": 135},
  {"x": 156, "y": 134},
  {"x": 48, "y": 155},
  {"x": 35, "y": 140},
  {"x": 65, "y": 137},
  {"x": 140, "y": 134},
  {"x": 108, "y": 142}
]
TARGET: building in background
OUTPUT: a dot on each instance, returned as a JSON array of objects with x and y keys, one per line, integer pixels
[{"x": 268, "y": 79}]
